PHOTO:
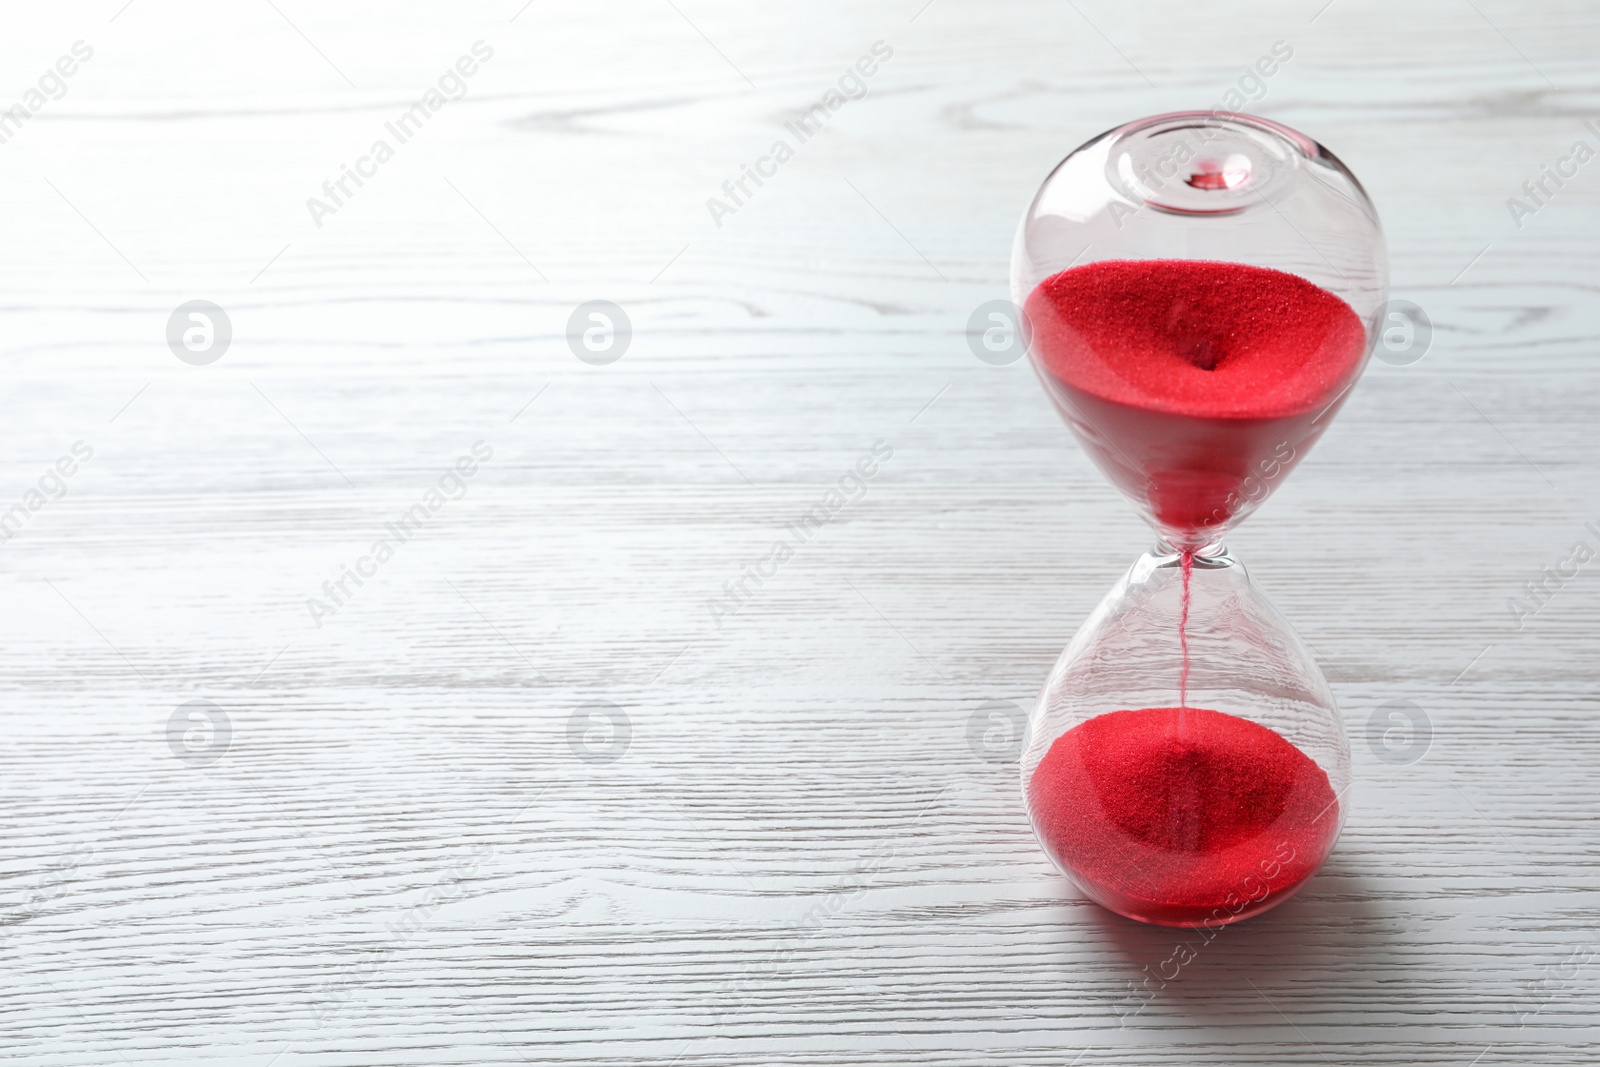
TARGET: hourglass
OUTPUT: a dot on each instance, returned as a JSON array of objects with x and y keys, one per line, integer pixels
[{"x": 1201, "y": 291}]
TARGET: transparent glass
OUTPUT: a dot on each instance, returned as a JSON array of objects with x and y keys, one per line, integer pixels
[
  {"x": 1199, "y": 186},
  {"x": 1200, "y": 291},
  {"x": 1226, "y": 849}
]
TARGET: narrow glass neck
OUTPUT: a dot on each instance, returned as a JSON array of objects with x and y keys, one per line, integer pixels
[{"x": 1216, "y": 551}]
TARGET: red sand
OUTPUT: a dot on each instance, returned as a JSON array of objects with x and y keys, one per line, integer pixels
[
  {"x": 1184, "y": 817},
  {"x": 1195, "y": 384}
]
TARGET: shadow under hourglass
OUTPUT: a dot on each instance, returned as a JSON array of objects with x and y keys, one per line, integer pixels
[{"x": 1330, "y": 941}]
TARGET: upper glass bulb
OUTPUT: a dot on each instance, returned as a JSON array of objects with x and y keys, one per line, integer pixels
[{"x": 1201, "y": 290}]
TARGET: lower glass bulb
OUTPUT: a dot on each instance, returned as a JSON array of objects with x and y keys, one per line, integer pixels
[{"x": 1193, "y": 782}]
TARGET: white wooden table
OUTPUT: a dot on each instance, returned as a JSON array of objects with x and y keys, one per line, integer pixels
[{"x": 522, "y": 795}]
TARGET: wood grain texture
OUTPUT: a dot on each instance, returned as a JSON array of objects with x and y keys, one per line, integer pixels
[{"x": 800, "y": 857}]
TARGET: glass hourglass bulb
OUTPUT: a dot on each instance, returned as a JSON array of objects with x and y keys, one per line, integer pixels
[{"x": 1200, "y": 291}]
